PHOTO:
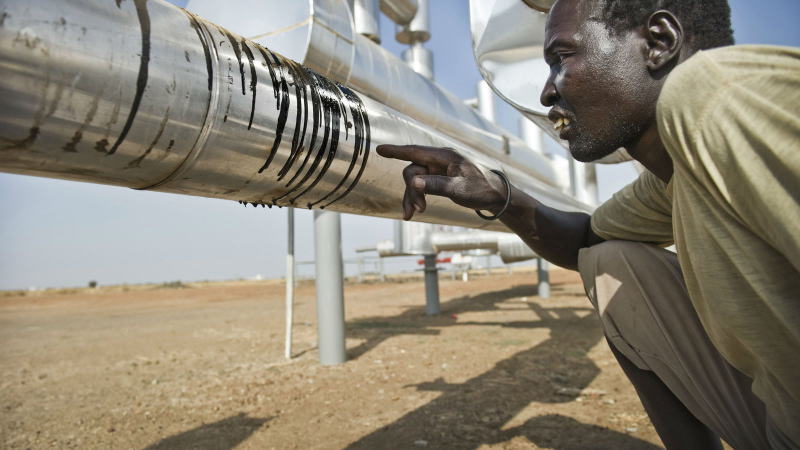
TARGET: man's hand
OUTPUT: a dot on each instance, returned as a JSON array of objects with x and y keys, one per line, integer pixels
[
  {"x": 443, "y": 172},
  {"x": 554, "y": 235}
]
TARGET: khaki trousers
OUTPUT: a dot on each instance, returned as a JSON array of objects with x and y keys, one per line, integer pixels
[{"x": 640, "y": 296}]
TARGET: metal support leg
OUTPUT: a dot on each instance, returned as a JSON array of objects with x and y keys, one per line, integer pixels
[
  {"x": 330, "y": 289},
  {"x": 543, "y": 270},
  {"x": 431, "y": 286},
  {"x": 287, "y": 352}
]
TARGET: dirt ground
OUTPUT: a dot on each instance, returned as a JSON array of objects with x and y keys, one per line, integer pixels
[{"x": 202, "y": 367}]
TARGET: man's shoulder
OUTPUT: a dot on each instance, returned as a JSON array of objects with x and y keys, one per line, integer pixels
[
  {"x": 721, "y": 90},
  {"x": 694, "y": 82}
]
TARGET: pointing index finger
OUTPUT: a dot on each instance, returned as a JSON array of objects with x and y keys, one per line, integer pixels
[{"x": 419, "y": 154}]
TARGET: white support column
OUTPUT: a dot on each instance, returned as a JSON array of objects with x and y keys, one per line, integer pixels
[
  {"x": 330, "y": 289},
  {"x": 287, "y": 352},
  {"x": 431, "y": 286},
  {"x": 543, "y": 270}
]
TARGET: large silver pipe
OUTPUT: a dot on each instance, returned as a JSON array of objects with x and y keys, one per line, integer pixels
[
  {"x": 320, "y": 34},
  {"x": 147, "y": 96}
]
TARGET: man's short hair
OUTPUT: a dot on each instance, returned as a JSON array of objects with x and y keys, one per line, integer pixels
[{"x": 707, "y": 23}]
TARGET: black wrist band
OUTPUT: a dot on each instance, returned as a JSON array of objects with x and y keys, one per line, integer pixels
[{"x": 508, "y": 198}]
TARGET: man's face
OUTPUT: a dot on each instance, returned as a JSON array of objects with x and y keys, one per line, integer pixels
[{"x": 601, "y": 93}]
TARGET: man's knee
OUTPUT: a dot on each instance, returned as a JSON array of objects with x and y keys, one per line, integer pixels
[
  {"x": 626, "y": 261},
  {"x": 629, "y": 284},
  {"x": 606, "y": 265},
  {"x": 609, "y": 257}
]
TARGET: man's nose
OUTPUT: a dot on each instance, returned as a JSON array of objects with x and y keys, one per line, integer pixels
[{"x": 549, "y": 95}]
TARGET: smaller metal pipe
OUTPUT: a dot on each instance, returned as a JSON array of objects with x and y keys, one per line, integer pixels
[
  {"x": 583, "y": 182},
  {"x": 540, "y": 5},
  {"x": 419, "y": 30},
  {"x": 366, "y": 18},
  {"x": 592, "y": 195},
  {"x": 575, "y": 178},
  {"x": 420, "y": 59},
  {"x": 543, "y": 271},
  {"x": 531, "y": 134},
  {"x": 465, "y": 240},
  {"x": 330, "y": 289},
  {"x": 486, "y": 104},
  {"x": 432, "y": 306},
  {"x": 289, "y": 281},
  {"x": 401, "y": 12}
]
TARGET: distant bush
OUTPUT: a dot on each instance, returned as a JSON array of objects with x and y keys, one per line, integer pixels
[
  {"x": 173, "y": 285},
  {"x": 93, "y": 284}
]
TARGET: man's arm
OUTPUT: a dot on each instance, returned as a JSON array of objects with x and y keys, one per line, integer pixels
[{"x": 554, "y": 235}]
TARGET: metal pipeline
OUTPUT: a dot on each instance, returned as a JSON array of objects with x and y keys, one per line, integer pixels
[
  {"x": 508, "y": 246},
  {"x": 321, "y": 35},
  {"x": 145, "y": 95}
]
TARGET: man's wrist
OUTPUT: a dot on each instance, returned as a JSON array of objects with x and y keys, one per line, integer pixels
[{"x": 503, "y": 190}]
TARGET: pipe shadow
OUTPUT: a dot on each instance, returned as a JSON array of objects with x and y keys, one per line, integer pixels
[
  {"x": 223, "y": 434},
  {"x": 548, "y": 432},
  {"x": 414, "y": 321},
  {"x": 470, "y": 414}
]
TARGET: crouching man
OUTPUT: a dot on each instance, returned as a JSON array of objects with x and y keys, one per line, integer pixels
[{"x": 710, "y": 338}]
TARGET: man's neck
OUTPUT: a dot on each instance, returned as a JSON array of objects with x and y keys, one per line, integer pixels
[{"x": 650, "y": 151}]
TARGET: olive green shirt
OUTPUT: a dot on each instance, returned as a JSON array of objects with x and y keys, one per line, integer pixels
[{"x": 730, "y": 120}]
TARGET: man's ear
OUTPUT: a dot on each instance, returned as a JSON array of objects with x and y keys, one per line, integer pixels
[{"x": 665, "y": 39}]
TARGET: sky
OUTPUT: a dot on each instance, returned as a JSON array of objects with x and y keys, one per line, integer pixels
[{"x": 56, "y": 233}]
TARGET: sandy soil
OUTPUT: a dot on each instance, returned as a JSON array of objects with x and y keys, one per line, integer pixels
[{"x": 202, "y": 367}]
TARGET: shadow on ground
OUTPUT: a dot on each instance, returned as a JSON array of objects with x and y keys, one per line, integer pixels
[
  {"x": 376, "y": 330},
  {"x": 470, "y": 414},
  {"x": 221, "y": 435},
  {"x": 560, "y": 432}
]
